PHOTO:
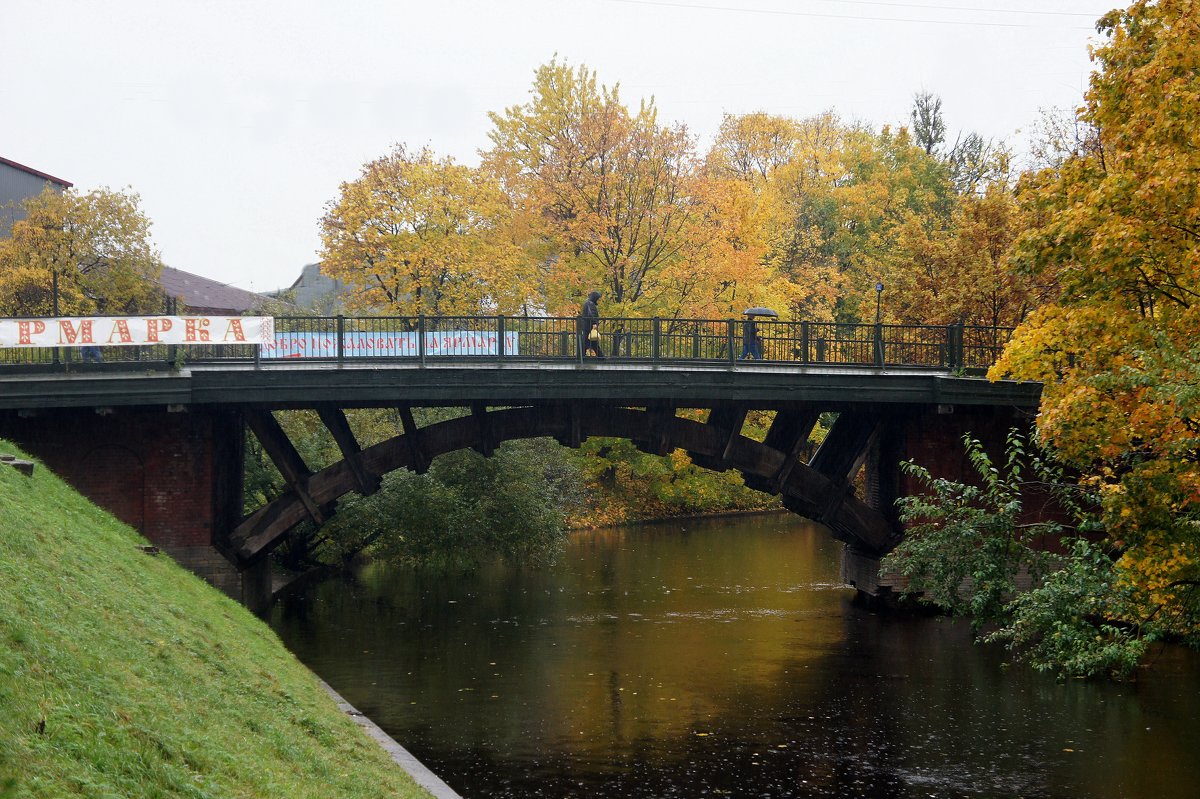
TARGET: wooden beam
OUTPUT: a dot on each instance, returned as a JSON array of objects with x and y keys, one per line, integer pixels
[
  {"x": 657, "y": 437},
  {"x": 729, "y": 420},
  {"x": 412, "y": 435},
  {"x": 787, "y": 435},
  {"x": 263, "y": 530},
  {"x": 662, "y": 438},
  {"x": 339, "y": 427},
  {"x": 833, "y": 503},
  {"x": 486, "y": 446},
  {"x": 570, "y": 435},
  {"x": 844, "y": 449},
  {"x": 285, "y": 457}
]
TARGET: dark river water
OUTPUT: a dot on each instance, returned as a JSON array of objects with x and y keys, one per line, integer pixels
[{"x": 724, "y": 658}]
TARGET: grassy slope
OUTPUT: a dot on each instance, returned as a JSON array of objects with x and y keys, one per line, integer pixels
[{"x": 123, "y": 675}]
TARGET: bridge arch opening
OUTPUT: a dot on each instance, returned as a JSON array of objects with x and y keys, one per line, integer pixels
[{"x": 821, "y": 490}]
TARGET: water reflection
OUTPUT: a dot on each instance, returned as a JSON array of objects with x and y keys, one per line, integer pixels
[{"x": 722, "y": 658}]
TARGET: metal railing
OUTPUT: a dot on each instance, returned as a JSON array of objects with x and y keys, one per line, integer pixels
[{"x": 521, "y": 338}]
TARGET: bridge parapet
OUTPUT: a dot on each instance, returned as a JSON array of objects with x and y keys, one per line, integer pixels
[{"x": 425, "y": 339}]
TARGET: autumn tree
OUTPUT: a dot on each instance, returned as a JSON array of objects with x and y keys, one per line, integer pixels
[
  {"x": 751, "y": 147},
  {"x": 843, "y": 211},
  {"x": 1116, "y": 226},
  {"x": 842, "y": 207},
  {"x": 84, "y": 253},
  {"x": 415, "y": 234},
  {"x": 801, "y": 212},
  {"x": 942, "y": 254},
  {"x": 723, "y": 268},
  {"x": 973, "y": 161},
  {"x": 960, "y": 271},
  {"x": 786, "y": 164},
  {"x": 616, "y": 202}
]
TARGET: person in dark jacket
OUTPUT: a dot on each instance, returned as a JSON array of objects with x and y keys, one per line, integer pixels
[
  {"x": 751, "y": 343},
  {"x": 589, "y": 320}
]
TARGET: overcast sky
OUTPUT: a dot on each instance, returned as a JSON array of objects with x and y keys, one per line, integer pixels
[{"x": 237, "y": 120}]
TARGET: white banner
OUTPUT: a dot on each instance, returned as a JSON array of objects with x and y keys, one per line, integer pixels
[{"x": 130, "y": 331}]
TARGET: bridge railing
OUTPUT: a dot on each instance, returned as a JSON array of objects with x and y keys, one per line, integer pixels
[
  {"x": 433, "y": 339},
  {"x": 66, "y": 356}
]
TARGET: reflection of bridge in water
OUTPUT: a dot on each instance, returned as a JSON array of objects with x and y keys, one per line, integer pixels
[{"x": 162, "y": 447}]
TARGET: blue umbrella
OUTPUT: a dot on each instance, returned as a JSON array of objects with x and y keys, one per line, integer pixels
[{"x": 760, "y": 312}]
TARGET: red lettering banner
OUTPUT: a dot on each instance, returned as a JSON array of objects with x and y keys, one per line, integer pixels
[{"x": 129, "y": 331}]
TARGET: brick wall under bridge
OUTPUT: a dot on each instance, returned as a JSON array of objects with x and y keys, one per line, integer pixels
[
  {"x": 173, "y": 475},
  {"x": 932, "y": 436},
  {"x": 175, "y": 472}
]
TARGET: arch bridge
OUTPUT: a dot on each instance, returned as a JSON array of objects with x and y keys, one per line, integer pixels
[{"x": 156, "y": 434}]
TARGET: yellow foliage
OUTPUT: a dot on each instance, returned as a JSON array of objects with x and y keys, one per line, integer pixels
[
  {"x": 1114, "y": 228},
  {"x": 621, "y": 204},
  {"x": 97, "y": 245},
  {"x": 418, "y": 235}
]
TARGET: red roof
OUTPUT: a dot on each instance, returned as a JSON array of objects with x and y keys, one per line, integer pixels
[{"x": 64, "y": 183}]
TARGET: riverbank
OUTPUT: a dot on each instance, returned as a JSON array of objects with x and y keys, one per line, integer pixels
[
  {"x": 683, "y": 517},
  {"x": 121, "y": 674}
]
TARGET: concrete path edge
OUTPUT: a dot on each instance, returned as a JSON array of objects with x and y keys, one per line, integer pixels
[{"x": 402, "y": 757}]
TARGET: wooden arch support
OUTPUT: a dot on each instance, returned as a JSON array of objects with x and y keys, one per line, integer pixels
[
  {"x": 335, "y": 421},
  {"x": 287, "y": 460},
  {"x": 805, "y": 490}
]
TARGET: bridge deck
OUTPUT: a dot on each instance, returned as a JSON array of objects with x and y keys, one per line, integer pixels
[{"x": 383, "y": 383}]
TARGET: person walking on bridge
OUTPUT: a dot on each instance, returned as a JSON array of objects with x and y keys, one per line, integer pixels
[
  {"x": 589, "y": 326},
  {"x": 751, "y": 342}
]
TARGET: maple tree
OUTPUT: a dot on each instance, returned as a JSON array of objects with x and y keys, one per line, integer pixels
[
  {"x": 1116, "y": 229},
  {"x": 779, "y": 160},
  {"x": 982, "y": 288},
  {"x": 722, "y": 266},
  {"x": 415, "y": 234},
  {"x": 801, "y": 208},
  {"x": 87, "y": 253}
]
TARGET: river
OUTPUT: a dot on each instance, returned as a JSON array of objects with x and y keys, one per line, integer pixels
[{"x": 724, "y": 658}]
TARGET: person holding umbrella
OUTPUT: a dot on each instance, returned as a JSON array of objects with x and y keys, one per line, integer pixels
[
  {"x": 751, "y": 342},
  {"x": 589, "y": 326}
]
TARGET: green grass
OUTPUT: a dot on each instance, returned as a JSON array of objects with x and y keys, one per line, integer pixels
[{"x": 122, "y": 675}]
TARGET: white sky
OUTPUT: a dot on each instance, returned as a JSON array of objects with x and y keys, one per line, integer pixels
[{"x": 236, "y": 120}]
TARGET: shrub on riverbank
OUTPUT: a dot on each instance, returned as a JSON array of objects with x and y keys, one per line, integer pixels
[
  {"x": 123, "y": 675},
  {"x": 622, "y": 484}
]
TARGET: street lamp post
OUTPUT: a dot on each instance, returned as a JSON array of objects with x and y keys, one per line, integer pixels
[
  {"x": 54, "y": 302},
  {"x": 879, "y": 359}
]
